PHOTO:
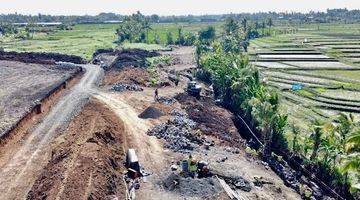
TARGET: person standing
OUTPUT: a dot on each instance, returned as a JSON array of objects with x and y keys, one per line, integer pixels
[{"x": 156, "y": 95}]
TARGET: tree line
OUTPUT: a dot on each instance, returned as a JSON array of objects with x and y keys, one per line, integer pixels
[
  {"x": 330, "y": 15},
  {"x": 330, "y": 150}
]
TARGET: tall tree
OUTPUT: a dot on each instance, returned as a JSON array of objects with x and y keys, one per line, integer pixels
[{"x": 316, "y": 138}]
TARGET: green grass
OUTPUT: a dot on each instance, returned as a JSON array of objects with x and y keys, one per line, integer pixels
[
  {"x": 148, "y": 47},
  {"x": 162, "y": 29},
  {"x": 82, "y": 41}
]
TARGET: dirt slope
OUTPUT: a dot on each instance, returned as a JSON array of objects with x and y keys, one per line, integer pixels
[
  {"x": 86, "y": 160},
  {"x": 21, "y": 163}
]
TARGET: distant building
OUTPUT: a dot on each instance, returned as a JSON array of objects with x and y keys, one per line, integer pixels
[{"x": 39, "y": 23}]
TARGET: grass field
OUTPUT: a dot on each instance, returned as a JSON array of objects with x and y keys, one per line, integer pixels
[
  {"x": 330, "y": 87},
  {"x": 84, "y": 39}
]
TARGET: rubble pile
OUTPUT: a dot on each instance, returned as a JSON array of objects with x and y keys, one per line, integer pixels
[
  {"x": 238, "y": 182},
  {"x": 190, "y": 187},
  {"x": 166, "y": 100},
  {"x": 210, "y": 118},
  {"x": 121, "y": 87},
  {"x": 178, "y": 133},
  {"x": 291, "y": 179}
]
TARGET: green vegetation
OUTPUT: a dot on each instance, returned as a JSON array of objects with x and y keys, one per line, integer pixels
[
  {"x": 148, "y": 47},
  {"x": 82, "y": 40},
  {"x": 322, "y": 142}
]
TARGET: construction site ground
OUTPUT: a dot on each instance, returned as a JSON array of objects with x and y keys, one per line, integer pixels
[
  {"x": 22, "y": 84},
  {"x": 77, "y": 150}
]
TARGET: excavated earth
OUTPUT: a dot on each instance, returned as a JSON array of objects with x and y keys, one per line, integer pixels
[
  {"x": 22, "y": 84},
  {"x": 86, "y": 160}
]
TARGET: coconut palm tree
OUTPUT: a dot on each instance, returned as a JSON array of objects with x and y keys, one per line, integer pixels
[
  {"x": 344, "y": 128},
  {"x": 316, "y": 137},
  {"x": 295, "y": 141},
  {"x": 351, "y": 162}
]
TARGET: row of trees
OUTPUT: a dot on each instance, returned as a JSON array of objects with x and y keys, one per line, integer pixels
[
  {"x": 331, "y": 15},
  {"x": 331, "y": 151}
]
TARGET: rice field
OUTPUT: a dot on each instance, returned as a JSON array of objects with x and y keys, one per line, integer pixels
[{"x": 324, "y": 64}]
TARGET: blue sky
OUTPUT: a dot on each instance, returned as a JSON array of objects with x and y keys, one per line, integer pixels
[{"x": 168, "y": 7}]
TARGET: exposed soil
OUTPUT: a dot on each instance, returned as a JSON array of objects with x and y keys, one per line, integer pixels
[
  {"x": 21, "y": 163},
  {"x": 40, "y": 58},
  {"x": 86, "y": 160},
  {"x": 22, "y": 84},
  {"x": 210, "y": 118},
  {"x": 132, "y": 57},
  {"x": 151, "y": 112},
  {"x": 127, "y": 75}
]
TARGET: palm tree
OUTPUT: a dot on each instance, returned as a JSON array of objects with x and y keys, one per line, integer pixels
[
  {"x": 295, "y": 141},
  {"x": 351, "y": 161},
  {"x": 344, "y": 128},
  {"x": 316, "y": 138}
]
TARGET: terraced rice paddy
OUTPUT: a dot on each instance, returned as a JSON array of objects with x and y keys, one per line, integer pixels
[{"x": 322, "y": 65}]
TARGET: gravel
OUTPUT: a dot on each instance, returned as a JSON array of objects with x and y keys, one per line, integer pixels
[
  {"x": 190, "y": 187},
  {"x": 121, "y": 87},
  {"x": 178, "y": 133}
]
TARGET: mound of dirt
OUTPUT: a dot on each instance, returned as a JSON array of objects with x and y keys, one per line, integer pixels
[
  {"x": 151, "y": 112},
  {"x": 128, "y": 75},
  {"x": 190, "y": 187},
  {"x": 133, "y": 57},
  {"x": 210, "y": 118},
  {"x": 41, "y": 58},
  {"x": 86, "y": 161}
]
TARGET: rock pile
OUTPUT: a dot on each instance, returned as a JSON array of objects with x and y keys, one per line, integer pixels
[
  {"x": 166, "y": 100},
  {"x": 178, "y": 133},
  {"x": 121, "y": 87},
  {"x": 190, "y": 187}
]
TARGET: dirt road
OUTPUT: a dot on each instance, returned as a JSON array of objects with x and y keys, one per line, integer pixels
[
  {"x": 78, "y": 163},
  {"x": 18, "y": 173}
]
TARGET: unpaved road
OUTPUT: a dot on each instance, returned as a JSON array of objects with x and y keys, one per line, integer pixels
[
  {"x": 18, "y": 173},
  {"x": 32, "y": 162}
]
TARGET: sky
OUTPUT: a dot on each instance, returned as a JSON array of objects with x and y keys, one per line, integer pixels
[{"x": 168, "y": 7}]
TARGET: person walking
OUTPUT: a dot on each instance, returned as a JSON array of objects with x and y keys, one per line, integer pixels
[{"x": 156, "y": 95}]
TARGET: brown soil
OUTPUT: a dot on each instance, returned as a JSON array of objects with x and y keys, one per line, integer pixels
[
  {"x": 211, "y": 119},
  {"x": 13, "y": 140},
  {"x": 129, "y": 75},
  {"x": 86, "y": 160},
  {"x": 22, "y": 84},
  {"x": 38, "y": 57}
]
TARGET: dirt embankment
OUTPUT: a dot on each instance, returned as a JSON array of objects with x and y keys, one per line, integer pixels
[
  {"x": 86, "y": 160},
  {"x": 23, "y": 96},
  {"x": 40, "y": 58},
  {"x": 127, "y": 75}
]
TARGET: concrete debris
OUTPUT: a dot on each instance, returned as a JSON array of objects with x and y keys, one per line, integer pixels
[
  {"x": 178, "y": 133},
  {"x": 121, "y": 87},
  {"x": 166, "y": 100},
  {"x": 238, "y": 182}
]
